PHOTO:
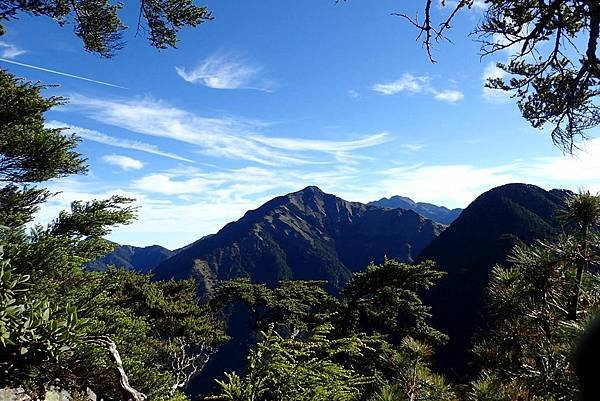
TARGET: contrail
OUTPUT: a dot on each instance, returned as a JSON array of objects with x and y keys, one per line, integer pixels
[{"x": 60, "y": 73}]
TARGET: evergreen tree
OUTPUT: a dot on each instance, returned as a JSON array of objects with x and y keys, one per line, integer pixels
[
  {"x": 114, "y": 332},
  {"x": 553, "y": 67},
  {"x": 385, "y": 299},
  {"x": 99, "y": 26},
  {"x": 289, "y": 369},
  {"x": 528, "y": 351}
]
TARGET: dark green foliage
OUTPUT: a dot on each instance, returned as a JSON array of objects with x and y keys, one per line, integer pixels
[
  {"x": 31, "y": 330},
  {"x": 287, "y": 369},
  {"x": 352, "y": 347},
  {"x": 18, "y": 205},
  {"x": 553, "y": 64},
  {"x": 29, "y": 152},
  {"x": 157, "y": 326},
  {"x": 166, "y": 17},
  {"x": 384, "y": 299},
  {"x": 98, "y": 25},
  {"x": 291, "y": 307},
  {"x": 552, "y": 29},
  {"x": 584, "y": 210},
  {"x": 410, "y": 375},
  {"x": 59, "y": 322},
  {"x": 528, "y": 350},
  {"x": 92, "y": 219}
]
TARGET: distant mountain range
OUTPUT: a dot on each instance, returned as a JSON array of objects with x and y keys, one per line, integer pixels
[
  {"x": 481, "y": 237},
  {"x": 307, "y": 235},
  {"x": 440, "y": 214},
  {"x": 311, "y": 235},
  {"x": 139, "y": 259}
]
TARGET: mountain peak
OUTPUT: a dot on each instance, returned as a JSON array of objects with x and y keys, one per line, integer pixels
[
  {"x": 304, "y": 235},
  {"x": 311, "y": 189},
  {"x": 440, "y": 214}
]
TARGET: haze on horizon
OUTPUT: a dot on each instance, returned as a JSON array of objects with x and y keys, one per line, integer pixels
[{"x": 269, "y": 98}]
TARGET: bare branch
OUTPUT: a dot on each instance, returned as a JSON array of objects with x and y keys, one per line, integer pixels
[{"x": 108, "y": 344}]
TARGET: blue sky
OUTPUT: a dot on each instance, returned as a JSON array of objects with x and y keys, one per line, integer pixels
[{"x": 273, "y": 96}]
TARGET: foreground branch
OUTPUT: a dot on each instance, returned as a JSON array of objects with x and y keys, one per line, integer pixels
[{"x": 108, "y": 344}]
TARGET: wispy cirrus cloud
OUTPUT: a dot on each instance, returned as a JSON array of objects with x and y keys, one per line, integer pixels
[
  {"x": 417, "y": 84},
  {"x": 99, "y": 137},
  {"x": 353, "y": 94},
  {"x": 180, "y": 205},
  {"x": 229, "y": 137},
  {"x": 123, "y": 162},
  {"x": 225, "y": 72},
  {"x": 340, "y": 149},
  {"x": 449, "y": 95},
  {"x": 407, "y": 83},
  {"x": 10, "y": 51}
]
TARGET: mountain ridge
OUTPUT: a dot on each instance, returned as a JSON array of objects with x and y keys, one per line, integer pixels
[
  {"x": 307, "y": 235},
  {"x": 440, "y": 214},
  {"x": 482, "y": 236},
  {"x": 135, "y": 258}
]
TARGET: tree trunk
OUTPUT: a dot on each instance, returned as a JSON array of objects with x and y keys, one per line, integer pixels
[{"x": 581, "y": 266}]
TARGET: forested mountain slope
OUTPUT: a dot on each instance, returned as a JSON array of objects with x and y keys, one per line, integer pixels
[
  {"x": 139, "y": 259},
  {"x": 481, "y": 237},
  {"x": 306, "y": 235}
]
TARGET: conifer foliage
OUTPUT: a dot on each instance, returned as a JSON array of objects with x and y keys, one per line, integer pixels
[{"x": 115, "y": 332}]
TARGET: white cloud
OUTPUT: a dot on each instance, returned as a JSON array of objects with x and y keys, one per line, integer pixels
[
  {"x": 412, "y": 147},
  {"x": 223, "y": 72},
  {"x": 408, "y": 83},
  {"x": 417, "y": 84},
  {"x": 456, "y": 185},
  {"x": 99, "y": 137},
  {"x": 9, "y": 51},
  {"x": 123, "y": 162},
  {"x": 216, "y": 137},
  {"x": 181, "y": 205},
  {"x": 494, "y": 95},
  {"x": 302, "y": 144},
  {"x": 353, "y": 94},
  {"x": 450, "y": 96},
  {"x": 582, "y": 169},
  {"x": 168, "y": 185},
  {"x": 448, "y": 185}
]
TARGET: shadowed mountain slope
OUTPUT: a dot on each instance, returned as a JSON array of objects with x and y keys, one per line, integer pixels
[
  {"x": 482, "y": 236},
  {"x": 306, "y": 235},
  {"x": 139, "y": 259}
]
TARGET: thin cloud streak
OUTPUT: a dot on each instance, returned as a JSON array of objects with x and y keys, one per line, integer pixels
[
  {"x": 64, "y": 74},
  {"x": 99, "y": 137},
  {"x": 10, "y": 51},
  {"x": 228, "y": 137},
  {"x": 186, "y": 203},
  {"x": 417, "y": 84}
]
